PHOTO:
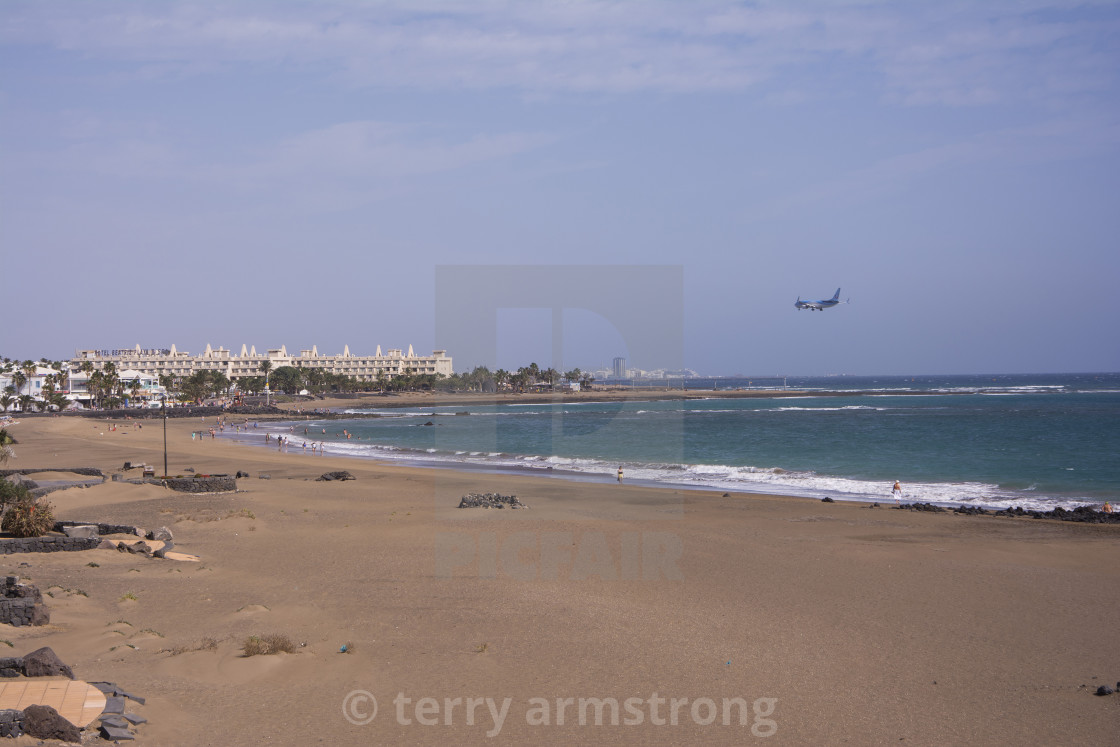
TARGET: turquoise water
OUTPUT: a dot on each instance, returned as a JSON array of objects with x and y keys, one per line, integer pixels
[{"x": 1034, "y": 441}]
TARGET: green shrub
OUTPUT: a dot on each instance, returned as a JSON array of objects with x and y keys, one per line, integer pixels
[
  {"x": 28, "y": 518},
  {"x": 11, "y": 492}
]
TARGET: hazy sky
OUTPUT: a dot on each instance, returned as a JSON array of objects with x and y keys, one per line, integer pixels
[{"x": 295, "y": 172}]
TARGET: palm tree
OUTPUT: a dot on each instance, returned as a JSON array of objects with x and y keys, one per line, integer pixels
[
  {"x": 501, "y": 377},
  {"x": 28, "y": 368},
  {"x": 219, "y": 382},
  {"x": 550, "y": 375},
  {"x": 95, "y": 385},
  {"x": 314, "y": 377},
  {"x": 48, "y": 389},
  {"x": 6, "y": 401},
  {"x": 19, "y": 378}
]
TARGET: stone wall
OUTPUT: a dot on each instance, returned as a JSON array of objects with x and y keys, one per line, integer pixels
[
  {"x": 22, "y": 604},
  {"x": 20, "y": 612},
  {"x": 47, "y": 544},
  {"x": 215, "y": 484}
]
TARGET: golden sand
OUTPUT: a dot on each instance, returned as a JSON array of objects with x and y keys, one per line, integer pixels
[{"x": 868, "y": 626}]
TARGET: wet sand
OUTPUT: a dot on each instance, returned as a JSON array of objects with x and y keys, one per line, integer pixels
[{"x": 868, "y": 626}]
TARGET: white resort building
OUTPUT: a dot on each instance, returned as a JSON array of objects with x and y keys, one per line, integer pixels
[{"x": 173, "y": 362}]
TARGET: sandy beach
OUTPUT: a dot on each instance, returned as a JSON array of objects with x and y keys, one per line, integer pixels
[{"x": 818, "y": 623}]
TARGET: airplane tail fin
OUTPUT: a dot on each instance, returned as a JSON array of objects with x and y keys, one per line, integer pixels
[{"x": 836, "y": 296}]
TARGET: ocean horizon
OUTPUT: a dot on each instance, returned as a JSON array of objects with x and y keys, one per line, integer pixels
[{"x": 1038, "y": 441}]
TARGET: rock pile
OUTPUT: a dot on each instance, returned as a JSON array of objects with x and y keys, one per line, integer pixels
[
  {"x": 1082, "y": 514},
  {"x": 490, "y": 500},
  {"x": 928, "y": 507},
  {"x": 11, "y": 723},
  {"x": 42, "y": 662},
  {"x": 340, "y": 475},
  {"x": 44, "y": 722}
]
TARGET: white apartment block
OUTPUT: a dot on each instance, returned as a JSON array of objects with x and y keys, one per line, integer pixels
[{"x": 170, "y": 361}]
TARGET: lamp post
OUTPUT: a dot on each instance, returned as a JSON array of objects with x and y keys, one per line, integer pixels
[{"x": 165, "y": 435}]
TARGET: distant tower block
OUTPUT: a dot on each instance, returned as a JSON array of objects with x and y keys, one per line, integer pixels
[{"x": 618, "y": 368}]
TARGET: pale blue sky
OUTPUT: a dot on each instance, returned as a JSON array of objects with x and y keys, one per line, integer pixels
[{"x": 294, "y": 172}]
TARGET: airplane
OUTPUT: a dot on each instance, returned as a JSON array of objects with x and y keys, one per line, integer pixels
[{"x": 820, "y": 305}]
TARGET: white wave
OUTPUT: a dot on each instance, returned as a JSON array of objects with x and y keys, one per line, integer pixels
[
  {"x": 827, "y": 409},
  {"x": 734, "y": 478}
]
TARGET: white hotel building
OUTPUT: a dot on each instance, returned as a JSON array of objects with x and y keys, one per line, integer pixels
[{"x": 173, "y": 362}]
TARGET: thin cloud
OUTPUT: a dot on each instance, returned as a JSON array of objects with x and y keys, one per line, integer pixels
[{"x": 944, "y": 53}]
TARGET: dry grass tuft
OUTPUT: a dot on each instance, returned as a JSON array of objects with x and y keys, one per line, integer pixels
[
  {"x": 264, "y": 645},
  {"x": 206, "y": 644}
]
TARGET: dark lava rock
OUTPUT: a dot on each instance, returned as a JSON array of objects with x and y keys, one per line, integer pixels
[
  {"x": 340, "y": 475},
  {"x": 241, "y": 474},
  {"x": 1105, "y": 690},
  {"x": 927, "y": 507},
  {"x": 11, "y": 723},
  {"x": 970, "y": 511},
  {"x": 1081, "y": 514},
  {"x": 45, "y": 723},
  {"x": 826, "y": 499},
  {"x": 44, "y": 662},
  {"x": 490, "y": 500}
]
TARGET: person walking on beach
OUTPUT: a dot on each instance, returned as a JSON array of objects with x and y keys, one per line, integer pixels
[
  {"x": 620, "y": 473},
  {"x": 897, "y": 492}
]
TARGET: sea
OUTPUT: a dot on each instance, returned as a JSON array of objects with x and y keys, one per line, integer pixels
[{"x": 1037, "y": 441}]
